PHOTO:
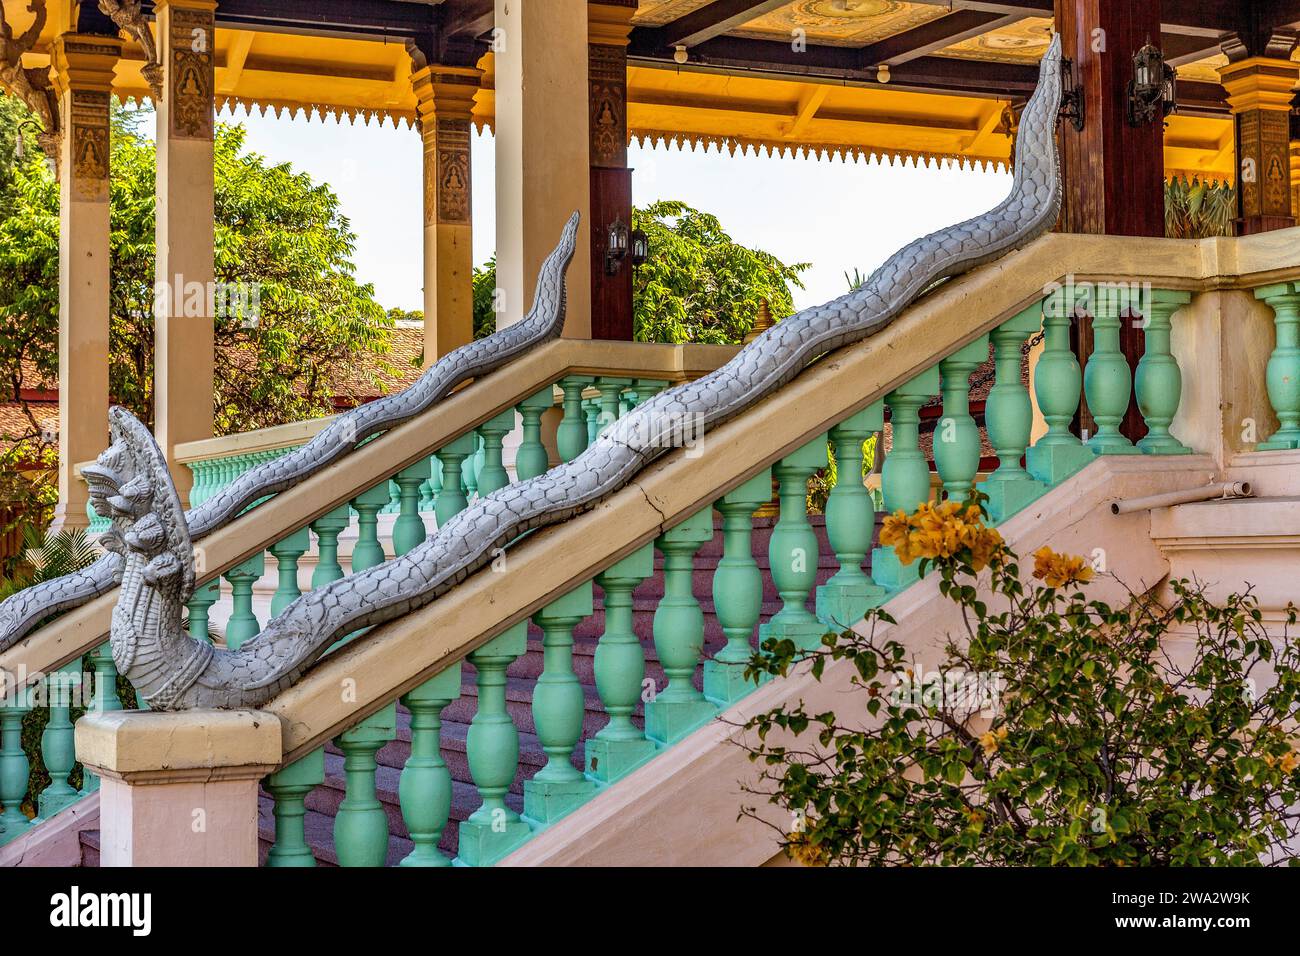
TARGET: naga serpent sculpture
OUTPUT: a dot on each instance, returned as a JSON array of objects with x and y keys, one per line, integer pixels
[
  {"x": 21, "y": 612},
  {"x": 131, "y": 484}
]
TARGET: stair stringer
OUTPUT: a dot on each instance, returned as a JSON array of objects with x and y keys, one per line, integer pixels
[{"x": 681, "y": 809}]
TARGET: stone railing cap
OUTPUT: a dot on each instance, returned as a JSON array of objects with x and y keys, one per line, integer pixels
[{"x": 195, "y": 743}]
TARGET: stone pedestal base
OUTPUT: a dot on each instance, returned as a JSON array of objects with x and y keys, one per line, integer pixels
[
  {"x": 668, "y": 721},
  {"x": 610, "y": 760},
  {"x": 546, "y": 801},
  {"x": 179, "y": 789},
  {"x": 1052, "y": 464},
  {"x": 484, "y": 842}
]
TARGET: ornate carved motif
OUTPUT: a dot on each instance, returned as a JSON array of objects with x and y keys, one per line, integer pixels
[
  {"x": 32, "y": 86},
  {"x": 131, "y": 485},
  {"x": 90, "y": 145},
  {"x": 453, "y": 171},
  {"x": 190, "y": 60},
  {"x": 607, "y": 99},
  {"x": 126, "y": 14}
]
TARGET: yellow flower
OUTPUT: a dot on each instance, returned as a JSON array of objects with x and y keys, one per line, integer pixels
[
  {"x": 941, "y": 531},
  {"x": 802, "y": 851},
  {"x": 1290, "y": 762},
  {"x": 989, "y": 740},
  {"x": 1060, "y": 570}
]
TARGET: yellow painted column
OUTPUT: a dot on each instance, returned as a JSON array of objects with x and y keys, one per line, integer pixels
[
  {"x": 542, "y": 150},
  {"x": 445, "y": 97},
  {"x": 1259, "y": 94},
  {"x": 183, "y": 305},
  {"x": 83, "y": 77}
]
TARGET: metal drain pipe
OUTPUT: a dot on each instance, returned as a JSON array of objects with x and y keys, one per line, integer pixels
[{"x": 1224, "y": 490}]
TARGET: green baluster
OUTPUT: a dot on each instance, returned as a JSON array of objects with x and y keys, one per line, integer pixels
[
  {"x": 243, "y": 624},
  {"x": 591, "y": 415},
  {"x": 905, "y": 476},
  {"x": 451, "y": 499},
  {"x": 737, "y": 590},
  {"x": 100, "y": 661},
  {"x": 368, "y": 552},
  {"x": 611, "y": 393},
  {"x": 14, "y": 766},
  {"x": 1057, "y": 384},
  {"x": 620, "y": 746},
  {"x": 1010, "y": 417},
  {"x": 205, "y": 595},
  {"x": 408, "y": 530},
  {"x": 57, "y": 748},
  {"x": 571, "y": 436},
  {"x": 1107, "y": 379},
  {"x": 394, "y": 499},
  {"x": 644, "y": 389},
  {"x": 492, "y": 747},
  {"x": 792, "y": 550},
  {"x": 425, "y": 785},
  {"x": 559, "y": 707},
  {"x": 288, "y": 551},
  {"x": 289, "y": 789},
  {"x": 850, "y": 522},
  {"x": 328, "y": 527},
  {"x": 1158, "y": 381},
  {"x": 956, "y": 436},
  {"x": 531, "y": 459},
  {"x": 473, "y": 465},
  {"x": 429, "y": 489},
  {"x": 679, "y": 634},
  {"x": 361, "y": 825},
  {"x": 1283, "y": 373},
  {"x": 493, "y": 475}
]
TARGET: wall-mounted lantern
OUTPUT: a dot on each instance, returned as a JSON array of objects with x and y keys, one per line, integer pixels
[
  {"x": 1071, "y": 96},
  {"x": 640, "y": 248},
  {"x": 616, "y": 247},
  {"x": 1153, "y": 91}
]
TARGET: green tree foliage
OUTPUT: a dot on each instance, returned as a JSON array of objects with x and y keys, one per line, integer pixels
[
  {"x": 1058, "y": 730},
  {"x": 294, "y": 313},
  {"x": 699, "y": 285}
]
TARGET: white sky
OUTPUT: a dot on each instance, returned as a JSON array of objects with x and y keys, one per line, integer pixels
[{"x": 835, "y": 215}]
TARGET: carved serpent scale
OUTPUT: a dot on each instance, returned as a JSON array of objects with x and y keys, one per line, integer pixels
[
  {"x": 131, "y": 483},
  {"x": 21, "y": 612}
]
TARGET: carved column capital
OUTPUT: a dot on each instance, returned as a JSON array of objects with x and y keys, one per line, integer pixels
[
  {"x": 83, "y": 78},
  {"x": 445, "y": 102},
  {"x": 1260, "y": 90},
  {"x": 187, "y": 41}
]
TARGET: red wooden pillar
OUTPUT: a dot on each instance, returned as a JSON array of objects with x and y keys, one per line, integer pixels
[
  {"x": 609, "y": 24},
  {"x": 1114, "y": 172}
]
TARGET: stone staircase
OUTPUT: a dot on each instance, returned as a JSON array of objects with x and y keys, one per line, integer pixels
[{"x": 323, "y": 802}]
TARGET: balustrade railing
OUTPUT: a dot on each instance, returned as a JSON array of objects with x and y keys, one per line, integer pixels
[{"x": 634, "y": 728}]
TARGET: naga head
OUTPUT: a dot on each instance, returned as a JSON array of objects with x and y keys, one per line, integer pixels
[{"x": 131, "y": 486}]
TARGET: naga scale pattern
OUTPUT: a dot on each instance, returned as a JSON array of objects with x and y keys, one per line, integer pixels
[
  {"x": 22, "y": 612},
  {"x": 131, "y": 485}
]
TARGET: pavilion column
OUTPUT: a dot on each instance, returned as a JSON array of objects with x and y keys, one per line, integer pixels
[
  {"x": 183, "y": 304},
  {"x": 542, "y": 145},
  {"x": 445, "y": 97},
  {"x": 609, "y": 27},
  {"x": 1260, "y": 90},
  {"x": 83, "y": 76}
]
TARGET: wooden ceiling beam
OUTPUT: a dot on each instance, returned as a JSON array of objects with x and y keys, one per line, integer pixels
[
  {"x": 719, "y": 17},
  {"x": 936, "y": 35}
]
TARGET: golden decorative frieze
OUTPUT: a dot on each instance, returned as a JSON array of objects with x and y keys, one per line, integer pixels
[{"x": 841, "y": 22}]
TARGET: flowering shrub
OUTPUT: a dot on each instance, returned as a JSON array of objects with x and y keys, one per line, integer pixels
[{"x": 1088, "y": 743}]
